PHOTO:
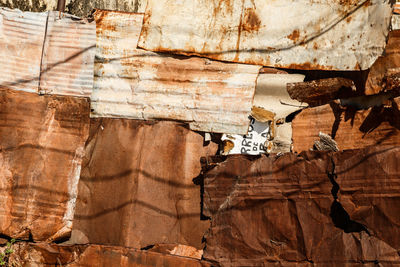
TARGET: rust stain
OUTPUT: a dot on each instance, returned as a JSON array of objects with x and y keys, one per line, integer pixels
[
  {"x": 261, "y": 114},
  {"x": 228, "y": 146},
  {"x": 357, "y": 66},
  {"x": 348, "y": 19},
  {"x": 294, "y": 36},
  {"x": 251, "y": 21},
  {"x": 306, "y": 66},
  {"x": 315, "y": 46}
]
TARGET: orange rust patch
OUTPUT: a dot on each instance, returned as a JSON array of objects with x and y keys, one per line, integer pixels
[
  {"x": 307, "y": 66},
  {"x": 294, "y": 36},
  {"x": 357, "y": 66},
  {"x": 348, "y": 19},
  {"x": 251, "y": 21},
  {"x": 314, "y": 60},
  {"x": 315, "y": 46}
]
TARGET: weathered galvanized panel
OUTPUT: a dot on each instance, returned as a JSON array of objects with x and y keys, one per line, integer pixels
[
  {"x": 305, "y": 34},
  {"x": 68, "y": 56},
  {"x": 21, "y": 44},
  {"x": 48, "y": 52},
  {"x": 134, "y": 83}
]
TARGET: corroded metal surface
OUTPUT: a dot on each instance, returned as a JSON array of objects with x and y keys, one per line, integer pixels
[
  {"x": 319, "y": 92},
  {"x": 42, "y": 141},
  {"x": 309, "y": 209},
  {"x": 133, "y": 83},
  {"x": 386, "y": 65},
  {"x": 306, "y": 34},
  {"x": 137, "y": 179},
  {"x": 46, "y": 52},
  {"x": 42, "y": 254},
  {"x": 350, "y": 128}
]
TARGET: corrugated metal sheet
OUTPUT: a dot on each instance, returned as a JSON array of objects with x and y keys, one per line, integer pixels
[
  {"x": 304, "y": 34},
  {"x": 68, "y": 56},
  {"x": 46, "y": 52},
  {"x": 21, "y": 42},
  {"x": 134, "y": 83}
]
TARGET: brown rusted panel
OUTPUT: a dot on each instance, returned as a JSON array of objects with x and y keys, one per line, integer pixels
[
  {"x": 281, "y": 211},
  {"x": 134, "y": 83},
  {"x": 393, "y": 81},
  {"x": 136, "y": 187},
  {"x": 68, "y": 56},
  {"x": 41, "y": 254},
  {"x": 379, "y": 125},
  {"x": 41, "y": 147},
  {"x": 319, "y": 92},
  {"x": 384, "y": 65}
]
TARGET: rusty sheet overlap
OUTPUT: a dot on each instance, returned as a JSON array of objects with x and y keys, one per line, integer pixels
[
  {"x": 305, "y": 34},
  {"x": 46, "y": 52},
  {"x": 133, "y": 83},
  {"x": 396, "y": 16}
]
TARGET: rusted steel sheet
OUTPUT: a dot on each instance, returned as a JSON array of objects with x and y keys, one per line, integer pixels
[
  {"x": 319, "y": 92},
  {"x": 282, "y": 211},
  {"x": 137, "y": 179},
  {"x": 134, "y": 83},
  {"x": 42, "y": 254},
  {"x": 42, "y": 141},
  {"x": 351, "y": 129},
  {"x": 46, "y": 52},
  {"x": 305, "y": 34},
  {"x": 385, "y": 65},
  {"x": 68, "y": 56},
  {"x": 21, "y": 45}
]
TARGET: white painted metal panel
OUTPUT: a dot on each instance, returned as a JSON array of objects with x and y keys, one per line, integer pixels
[
  {"x": 133, "y": 83},
  {"x": 302, "y": 34}
]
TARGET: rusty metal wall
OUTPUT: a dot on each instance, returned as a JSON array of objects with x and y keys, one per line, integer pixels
[
  {"x": 133, "y": 83},
  {"x": 305, "y": 34},
  {"x": 46, "y": 52}
]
